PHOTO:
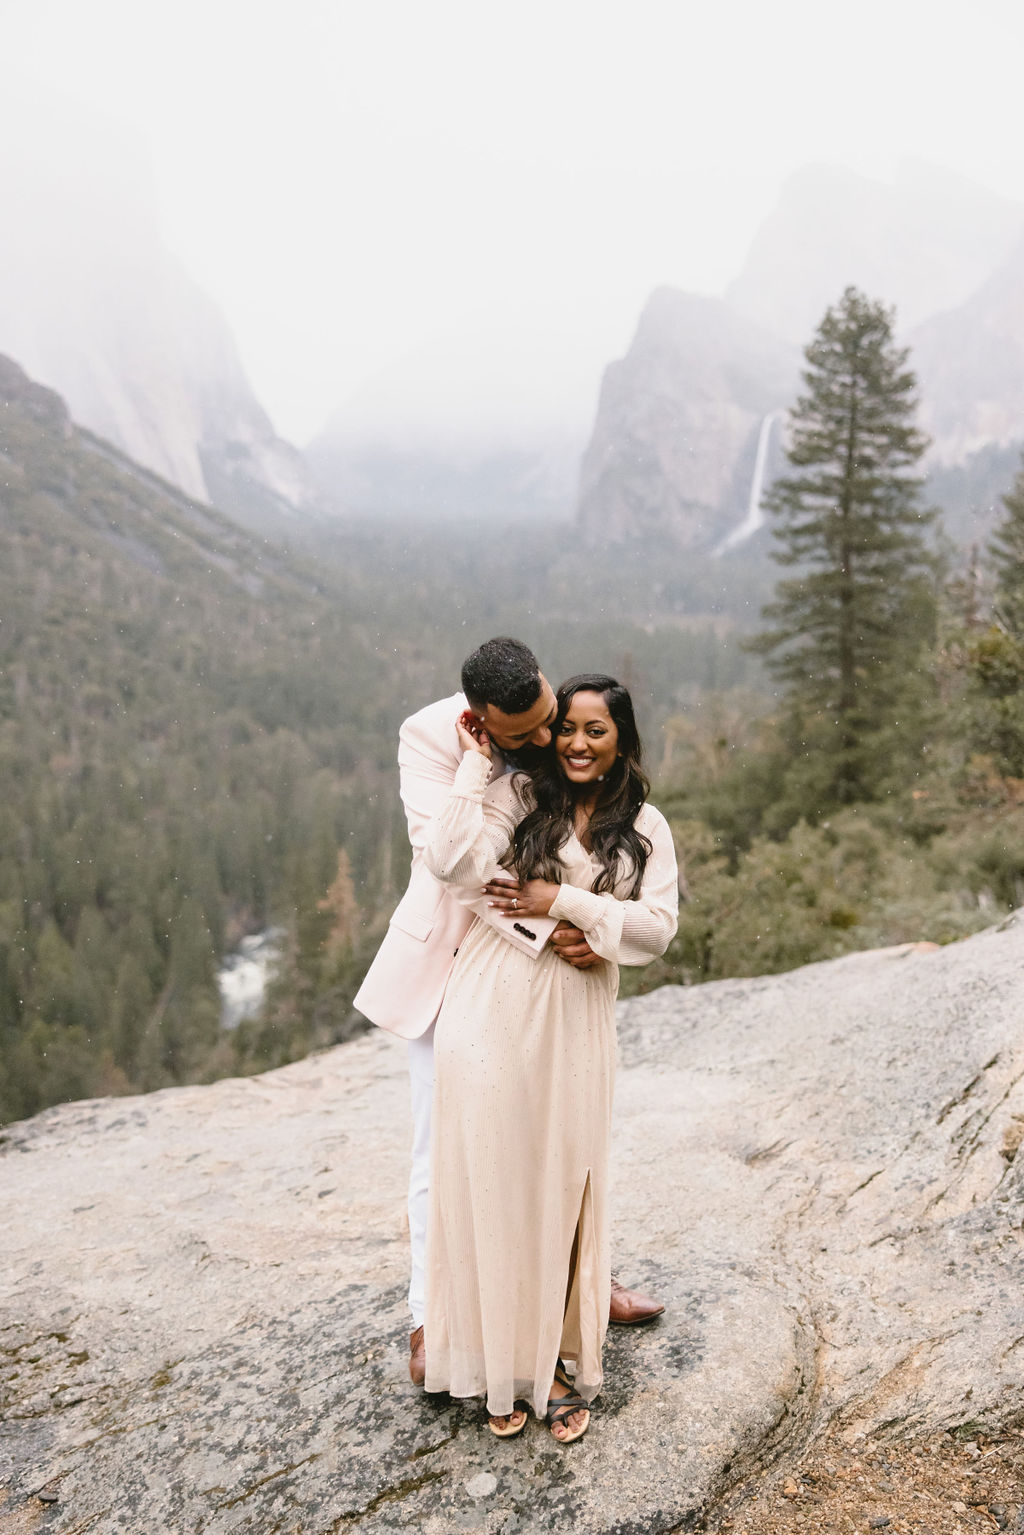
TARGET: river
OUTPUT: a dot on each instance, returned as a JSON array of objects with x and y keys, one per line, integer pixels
[{"x": 244, "y": 975}]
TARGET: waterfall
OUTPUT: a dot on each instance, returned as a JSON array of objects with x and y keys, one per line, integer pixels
[{"x": 755, "y": 517}]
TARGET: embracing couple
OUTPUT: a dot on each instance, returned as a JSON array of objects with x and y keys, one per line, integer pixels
[{"x": 538, "y": 868}]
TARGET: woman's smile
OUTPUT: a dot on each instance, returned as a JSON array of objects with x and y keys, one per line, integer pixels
[{"x": 588, "y": 739}]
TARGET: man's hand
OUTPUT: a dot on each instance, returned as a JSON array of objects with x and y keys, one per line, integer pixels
[{"x": 569, "y": 944}]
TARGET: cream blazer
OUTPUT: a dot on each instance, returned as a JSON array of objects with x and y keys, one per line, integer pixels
[{"x": 405, "y": 985}]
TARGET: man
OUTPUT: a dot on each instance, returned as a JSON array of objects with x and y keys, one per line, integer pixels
[{"x": 505, "y": 692}]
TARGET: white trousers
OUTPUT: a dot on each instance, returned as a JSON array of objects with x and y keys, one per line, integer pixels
[{"x": 421, "y": 1083}]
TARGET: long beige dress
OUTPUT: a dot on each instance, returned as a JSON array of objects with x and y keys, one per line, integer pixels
[{"x": 524, "y": 1064}]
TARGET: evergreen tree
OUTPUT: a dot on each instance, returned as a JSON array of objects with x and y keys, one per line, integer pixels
[
  {"x": 1007, "y": 552},
  {"x": 846, "y": 633},
  {"x": 995, "y": 656}
]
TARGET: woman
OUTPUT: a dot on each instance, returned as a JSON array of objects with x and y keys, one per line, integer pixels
[{"x": 517, "y": 1247}]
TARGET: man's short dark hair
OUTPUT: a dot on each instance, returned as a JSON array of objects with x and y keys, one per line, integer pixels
[{"x": 502, "y": 672}]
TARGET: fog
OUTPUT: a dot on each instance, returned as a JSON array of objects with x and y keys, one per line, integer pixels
[{"x": 445, "y": 220}]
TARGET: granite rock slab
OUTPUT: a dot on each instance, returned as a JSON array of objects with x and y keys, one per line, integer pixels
[{"x": 202, "y": 1301}]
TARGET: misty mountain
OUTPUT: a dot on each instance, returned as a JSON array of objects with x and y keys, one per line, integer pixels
[
  {"x": 673, "y": 446},
  {"x": 923, "y": 242},
  {"x": 532, "y": 482},
  {"x": 970, "y": 362},
  {"x": 675, "y": 440},
  {"x": 484, "y": 421},
  {"x": 93, "y": 304}
]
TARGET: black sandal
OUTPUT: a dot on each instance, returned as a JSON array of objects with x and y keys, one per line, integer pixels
[{"x": 561, "y": 1408}]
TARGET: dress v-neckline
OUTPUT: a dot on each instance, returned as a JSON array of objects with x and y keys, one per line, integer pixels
[{"x": 587, "y": 853}]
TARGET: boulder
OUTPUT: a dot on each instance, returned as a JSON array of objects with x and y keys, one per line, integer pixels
[{"x": 202, "y": 1317}]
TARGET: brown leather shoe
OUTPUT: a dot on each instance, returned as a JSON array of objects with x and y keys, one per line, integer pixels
[
  {"x": 629, "y": 1308},
  {"x": 417, "y": 1358}
]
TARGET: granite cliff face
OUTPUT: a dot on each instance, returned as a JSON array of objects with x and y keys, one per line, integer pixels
[
  {"x": 674, "y": 446},
  {"x": 93, "y": 304},
  {"x": 202, "y": 1319},
  {"x": 970, "y": 363}
]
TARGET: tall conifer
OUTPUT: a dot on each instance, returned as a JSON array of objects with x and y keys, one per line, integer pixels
[
  {"x": 845, "y": 631},
  {"x": 996, "y": 654},
  {"x": 1007, "y": 552}
]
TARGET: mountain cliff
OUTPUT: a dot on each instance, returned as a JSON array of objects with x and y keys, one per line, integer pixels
[
  {"x": 673, "y": 448},
  {"x": 923, "y": 242},
  {"x": 94, "y": 305},
  {"x": 970, "y": 363}
]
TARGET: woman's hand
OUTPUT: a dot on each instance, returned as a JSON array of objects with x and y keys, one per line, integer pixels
[
  {"x": 472, "y": 735},
  {"x": 532, "y": 898}
]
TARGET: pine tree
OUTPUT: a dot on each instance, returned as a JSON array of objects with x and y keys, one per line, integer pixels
[
  {"x": 995, "y": 656},
  {"x": 846, "y": 632},
  {"x": 1007, "y": 553}
]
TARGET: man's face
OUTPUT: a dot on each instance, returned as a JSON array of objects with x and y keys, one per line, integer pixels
[{"x": 514, "y": 732}]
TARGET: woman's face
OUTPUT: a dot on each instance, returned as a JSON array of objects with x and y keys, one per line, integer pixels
[{"x": 587, "y": 742}]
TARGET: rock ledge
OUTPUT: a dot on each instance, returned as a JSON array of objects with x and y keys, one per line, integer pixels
[{"x": 202, "y": 1308}]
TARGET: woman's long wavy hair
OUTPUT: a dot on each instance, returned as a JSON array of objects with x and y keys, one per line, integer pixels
[{"x": 622, "y": 850}]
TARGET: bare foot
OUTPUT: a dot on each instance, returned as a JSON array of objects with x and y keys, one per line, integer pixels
[{"x": 509, "y": 1425}]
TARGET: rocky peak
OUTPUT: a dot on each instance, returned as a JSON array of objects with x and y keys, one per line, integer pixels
[
  {"x": 674, "y": 444},
  {"x": 970, "y": 362},
  {"x": 922, "y": 242},
  {"x": 93, "y": 304},
  {"x": 44, "y": 406}
]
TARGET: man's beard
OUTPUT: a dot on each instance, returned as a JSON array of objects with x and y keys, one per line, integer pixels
[{"x": 526, "y": 758}]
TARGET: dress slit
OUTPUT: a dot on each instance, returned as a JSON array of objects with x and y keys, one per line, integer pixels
[{"x": 583, "y": 1327}]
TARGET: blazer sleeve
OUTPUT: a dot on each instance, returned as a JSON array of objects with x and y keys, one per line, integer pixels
[
  {"x": 631, "y": 932},
  {"x": 426, "y": 769}
]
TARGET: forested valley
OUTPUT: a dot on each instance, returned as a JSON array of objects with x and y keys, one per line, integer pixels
[
  {"x": 198, "y": 729},
  {"x": 197, "y": 737}
]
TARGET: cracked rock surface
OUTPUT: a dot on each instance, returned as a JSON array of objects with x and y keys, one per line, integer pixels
[{"x": 202, "y": 1318}]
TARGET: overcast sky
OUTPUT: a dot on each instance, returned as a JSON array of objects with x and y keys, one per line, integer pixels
[{"x": 431, "y": 207}]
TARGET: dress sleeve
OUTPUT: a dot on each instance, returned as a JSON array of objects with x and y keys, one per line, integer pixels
[
  {"x": 473, "y": 828},
  {"x": 631, "y": 932}
]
